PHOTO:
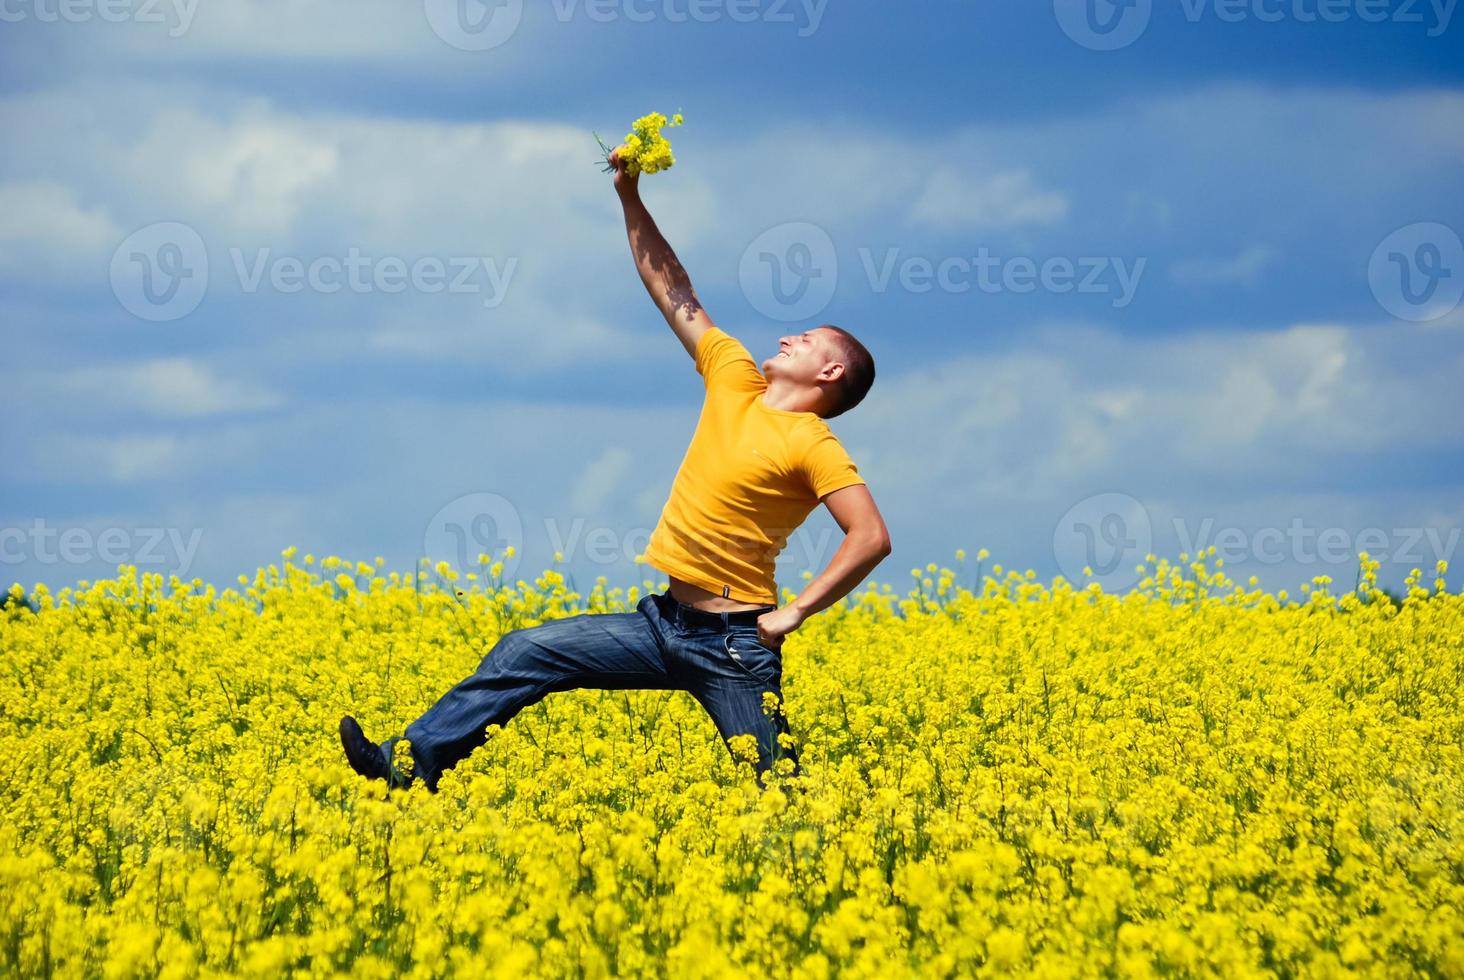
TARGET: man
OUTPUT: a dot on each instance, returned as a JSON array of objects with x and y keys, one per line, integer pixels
[{"x": 761, "y": 459}]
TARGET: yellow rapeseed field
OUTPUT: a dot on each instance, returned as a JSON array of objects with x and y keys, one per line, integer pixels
[{"x": 1196, "y": 778}]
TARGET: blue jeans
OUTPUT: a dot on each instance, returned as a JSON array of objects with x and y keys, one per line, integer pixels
[{"x": 663, "y": 645}]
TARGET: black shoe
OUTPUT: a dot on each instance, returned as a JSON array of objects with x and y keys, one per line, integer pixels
[{"x": 364, "y": 755}]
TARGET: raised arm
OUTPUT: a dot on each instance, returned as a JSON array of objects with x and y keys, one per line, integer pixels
[{"x": 660, "y": 270}]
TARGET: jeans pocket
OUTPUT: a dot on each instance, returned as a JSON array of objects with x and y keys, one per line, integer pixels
[{"x": 746, "y": 651}]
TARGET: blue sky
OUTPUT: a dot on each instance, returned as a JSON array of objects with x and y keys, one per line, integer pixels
[{"x": 1201, "y": 288}]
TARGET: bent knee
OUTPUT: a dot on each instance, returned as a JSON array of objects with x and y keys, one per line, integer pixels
[{"x": 516, "y": 648}]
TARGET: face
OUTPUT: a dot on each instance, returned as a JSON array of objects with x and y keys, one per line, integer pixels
[{"x": 800, "y": 356}]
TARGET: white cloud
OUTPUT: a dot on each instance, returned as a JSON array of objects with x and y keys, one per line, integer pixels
[
  {"x": 163, "y": 388},
  {"x": 42, "y": 225},
  {"x": 960, "y": 199},
  {"x": 114, "y": 459},
  {"x": 600, "y": 481},
  {"x": 301, "y": 29},
  {"x": 1128, "y": 168},
  {"x": 1244, "y": 269},
  {"x": 258, "y": 169},
  {"x": 1216, "y": 423},
  {"x": 387, "y": 32},
  {"x": 1084, "y": 407},
  {"x": 528, "y": 338},
  {"x": 1070, "y": 411},
  {"x": 524, "y": 197},
  {"x": 173, "y": 387}
]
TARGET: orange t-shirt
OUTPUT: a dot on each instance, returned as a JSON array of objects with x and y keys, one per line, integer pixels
[{"x": 749, "y": 478}]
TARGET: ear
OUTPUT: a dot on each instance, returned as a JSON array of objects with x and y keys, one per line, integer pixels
[{"x": 832, "y": 372}]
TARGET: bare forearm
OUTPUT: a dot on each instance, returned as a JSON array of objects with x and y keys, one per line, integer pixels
[
  {"x": 857, "y": 556},
  {"x": 660, "y": 270}
]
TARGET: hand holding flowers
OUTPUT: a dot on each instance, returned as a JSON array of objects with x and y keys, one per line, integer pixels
[{"x": 644, "y": 150}]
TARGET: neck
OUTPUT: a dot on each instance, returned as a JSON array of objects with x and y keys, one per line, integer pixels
[{"x": 789, "y": 398}]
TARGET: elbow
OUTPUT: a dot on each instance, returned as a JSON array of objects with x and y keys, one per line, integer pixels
[{"x": 879, "y": 546}]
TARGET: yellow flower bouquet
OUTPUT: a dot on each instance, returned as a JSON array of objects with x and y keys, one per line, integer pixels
[{"x": 646, "y": 149}]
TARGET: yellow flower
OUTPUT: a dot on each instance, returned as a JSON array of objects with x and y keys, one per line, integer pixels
[
  {"x": 1025, "y": 777},
  {"x": 646, "y": 149}
]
